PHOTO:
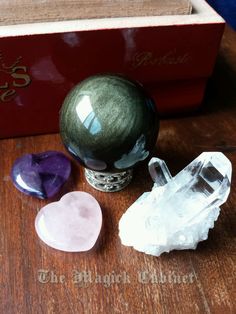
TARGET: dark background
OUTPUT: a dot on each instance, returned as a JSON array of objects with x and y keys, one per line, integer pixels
[{"x": 227, "y": 9}]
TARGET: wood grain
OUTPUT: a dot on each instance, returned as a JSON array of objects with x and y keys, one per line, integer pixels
[
  {"x": 29, "y": 11},
  {"x": 202, "y": 281}
]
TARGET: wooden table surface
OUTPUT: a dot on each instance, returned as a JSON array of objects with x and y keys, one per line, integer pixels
[{"x": 35, "y": 278}]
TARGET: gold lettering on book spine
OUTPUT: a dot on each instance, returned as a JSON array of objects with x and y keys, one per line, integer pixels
[
  {"x": 150, "y": 59},
  {"x": 13, "y": 77}
]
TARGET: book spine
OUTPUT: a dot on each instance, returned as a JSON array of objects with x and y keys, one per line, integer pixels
[
  {"x": 36, "y": 72},
  {"x": 178, "y": 96}
]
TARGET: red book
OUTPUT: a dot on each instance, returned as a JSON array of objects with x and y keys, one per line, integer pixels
[{"x": 172, "y": 56}]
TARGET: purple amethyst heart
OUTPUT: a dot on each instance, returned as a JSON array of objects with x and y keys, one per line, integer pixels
[{"x": 41, "y": 175}]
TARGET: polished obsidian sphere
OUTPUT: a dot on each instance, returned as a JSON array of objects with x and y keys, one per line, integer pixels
[{"x": 109, "y": 123}]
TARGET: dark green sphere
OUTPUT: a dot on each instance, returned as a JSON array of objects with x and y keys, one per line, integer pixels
[{"x": 108, "y": 123}]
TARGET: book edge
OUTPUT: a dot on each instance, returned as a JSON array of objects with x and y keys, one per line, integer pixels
[{"x": 202, "y": 14}]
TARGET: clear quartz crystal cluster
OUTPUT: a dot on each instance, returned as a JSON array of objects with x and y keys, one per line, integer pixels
[{"x": 179, "y": 211}]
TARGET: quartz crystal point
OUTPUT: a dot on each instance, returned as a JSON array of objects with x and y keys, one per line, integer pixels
[{"x": 179, "y": 211}]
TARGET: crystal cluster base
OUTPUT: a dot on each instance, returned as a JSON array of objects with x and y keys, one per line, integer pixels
[
  {"x": 107, "y": 181},
  {"x": 179, "y": 211}
]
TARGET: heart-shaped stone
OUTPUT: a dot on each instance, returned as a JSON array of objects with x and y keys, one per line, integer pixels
[
  {"x": 41, "y": 175},
  {"x": 73, "y": 224}
]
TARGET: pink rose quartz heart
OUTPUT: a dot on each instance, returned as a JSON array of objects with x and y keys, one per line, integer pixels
[{"x": 72, "y": 224}]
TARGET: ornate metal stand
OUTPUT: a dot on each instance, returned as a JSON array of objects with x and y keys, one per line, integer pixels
[{"x": 108, "y": 182}]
